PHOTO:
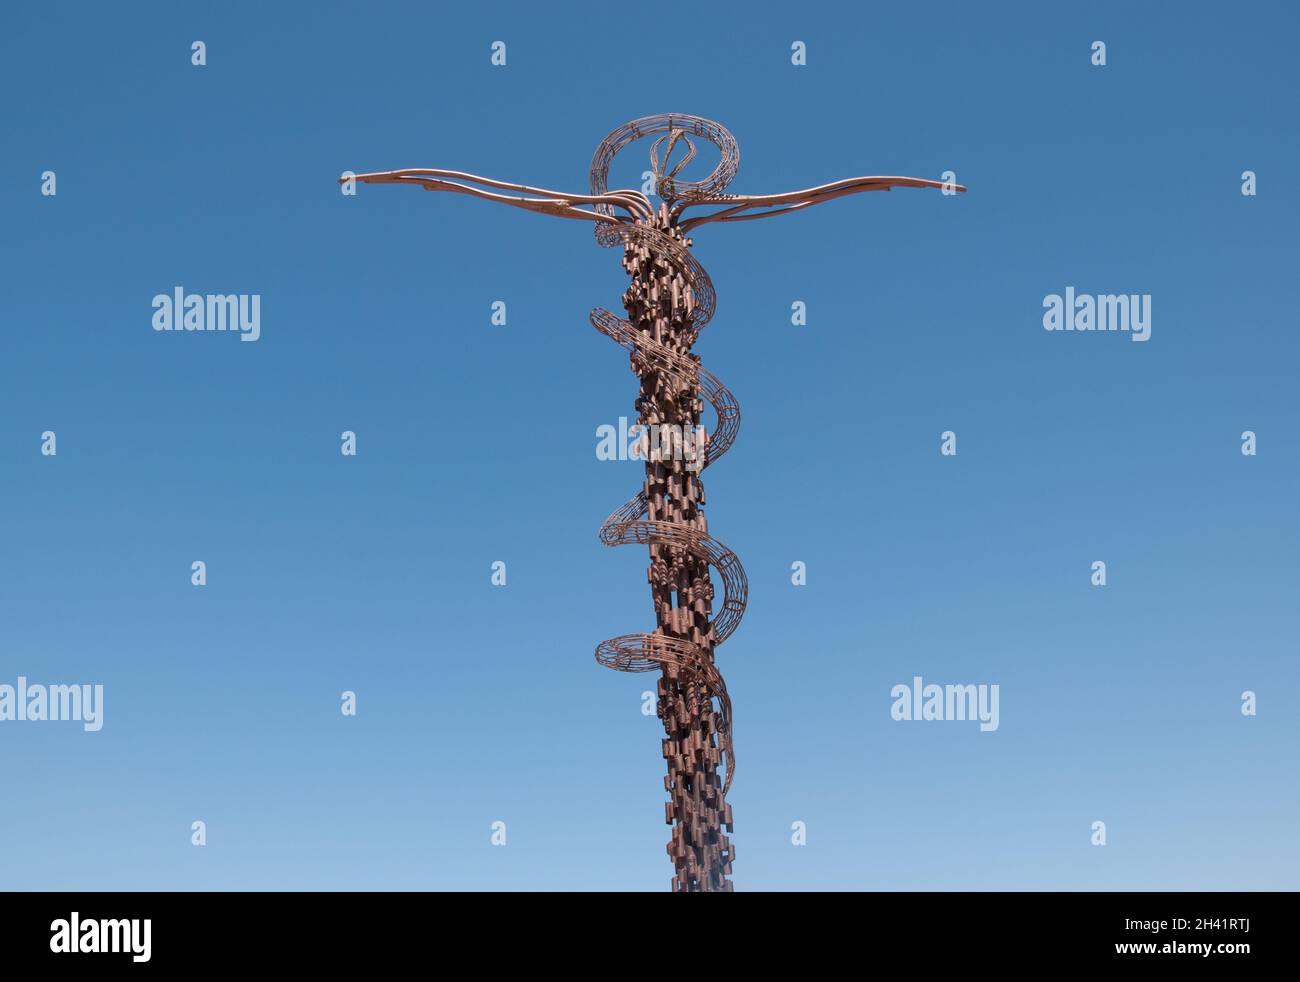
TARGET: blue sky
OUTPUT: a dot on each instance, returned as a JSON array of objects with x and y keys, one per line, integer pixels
[{"x": 476, "y": 444}]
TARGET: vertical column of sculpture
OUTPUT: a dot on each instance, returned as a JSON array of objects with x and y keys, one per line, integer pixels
[{"x": 658, "y": 303}]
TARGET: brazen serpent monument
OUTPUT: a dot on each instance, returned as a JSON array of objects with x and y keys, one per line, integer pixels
[{"x": 668, "y": 303}]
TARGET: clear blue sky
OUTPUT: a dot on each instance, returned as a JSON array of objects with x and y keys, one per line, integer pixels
[{"x": 476, "y": 443}]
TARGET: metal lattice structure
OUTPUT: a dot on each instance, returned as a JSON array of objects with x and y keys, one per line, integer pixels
[{"x": 668, "y": 303}]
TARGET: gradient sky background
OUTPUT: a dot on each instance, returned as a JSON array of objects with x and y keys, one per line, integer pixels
[{"x": 476, "y": 443}]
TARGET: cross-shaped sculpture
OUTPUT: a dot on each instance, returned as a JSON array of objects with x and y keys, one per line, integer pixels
[{"x": 668, "y": 303}]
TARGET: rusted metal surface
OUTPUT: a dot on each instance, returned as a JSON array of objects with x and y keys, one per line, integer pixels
[{"x": 668, "y": 302}]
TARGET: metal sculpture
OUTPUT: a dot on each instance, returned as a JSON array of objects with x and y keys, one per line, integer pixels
[{"x": 668, "y": 303}]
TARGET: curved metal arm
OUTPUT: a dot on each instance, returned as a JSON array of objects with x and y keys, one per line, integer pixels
[
  {"x": 559, "y": 203},
  {"x": 795, "y": 200}
]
